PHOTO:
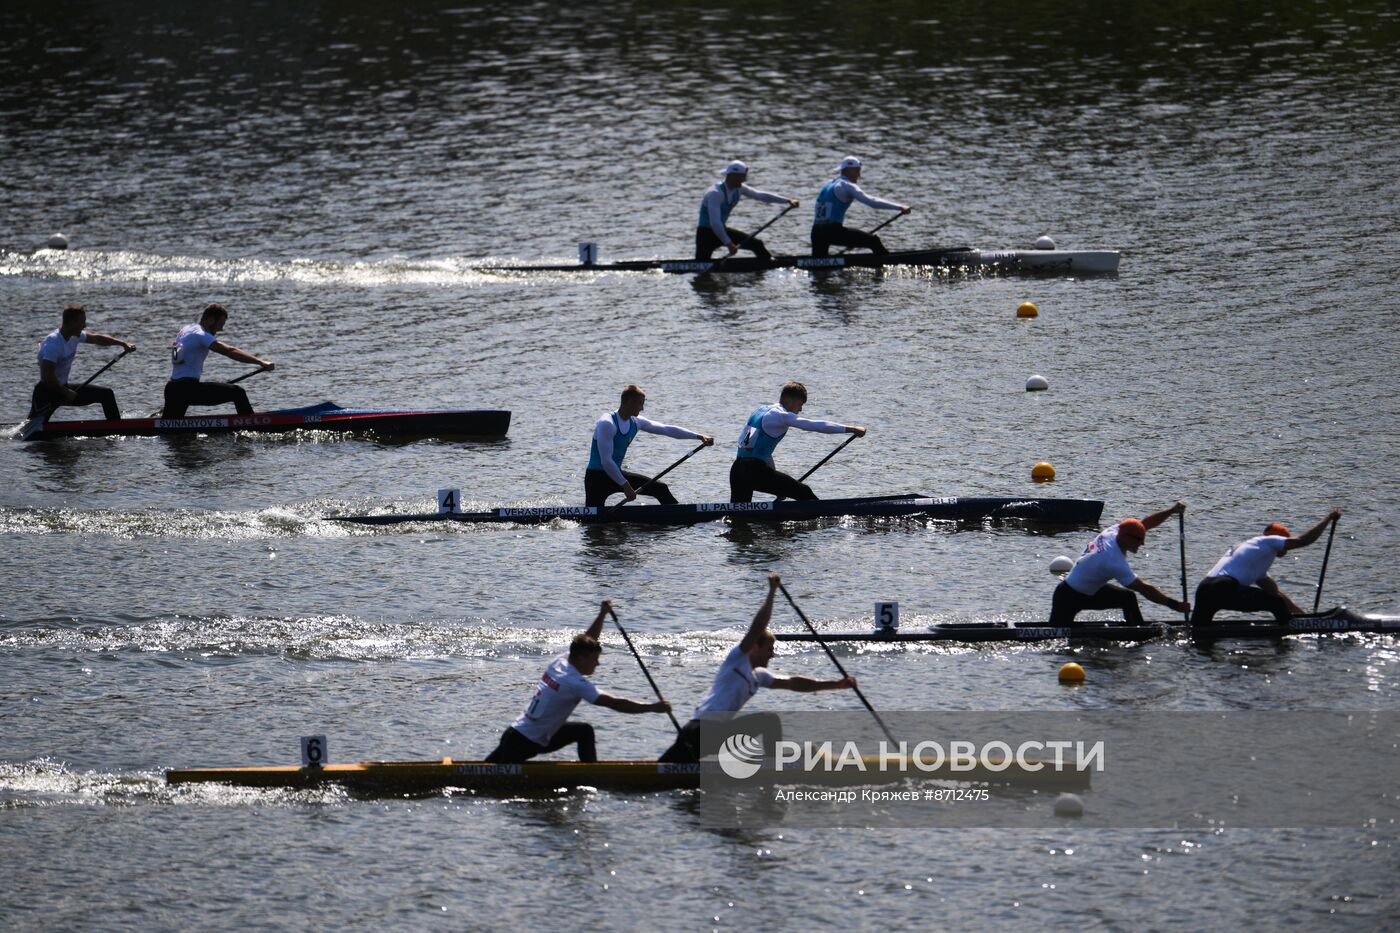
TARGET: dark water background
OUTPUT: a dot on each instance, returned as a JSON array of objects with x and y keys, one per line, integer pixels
[{"x": 337, "y": 173}]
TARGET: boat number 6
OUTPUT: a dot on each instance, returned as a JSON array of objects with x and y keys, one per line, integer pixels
[{"x": 313, "y": 751}]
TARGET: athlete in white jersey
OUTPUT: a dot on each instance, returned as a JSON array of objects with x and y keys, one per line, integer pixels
[
  {"x": 187, "y": 354},
  {"x": 711, "y": 230},
  {"x": 544, "y": 726},
  {"x": 828, "y": 225},
  {"x": 613, "y": 433},
  {"x": 742, "y": 672},
  {"x": 56, "y": 353},
  {"x": 753, "y": 469},
  {"x": 1240, "y": 579},
  {"x": 1090, "y": 584}
]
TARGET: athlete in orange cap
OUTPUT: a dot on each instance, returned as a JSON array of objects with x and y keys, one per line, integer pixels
[
  {"x": 1240, "y": 579},
  {"x": 1088, "y": 585}
]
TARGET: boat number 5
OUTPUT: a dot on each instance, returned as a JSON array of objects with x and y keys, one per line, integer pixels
[
  {"x": 887, "y": 615},
  {"x": 313, "y": 751},
  {"x": 449, "y": 500}
]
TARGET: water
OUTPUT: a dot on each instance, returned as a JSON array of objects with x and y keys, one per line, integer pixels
[{"x": 337, "y": 178}]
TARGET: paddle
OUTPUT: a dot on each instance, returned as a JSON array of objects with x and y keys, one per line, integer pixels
[
  {"x": 873, "y": 229},
  {"x": 1181, "y": 539},
  {"x": 825, "y": 647},
  {"x": 638, "y": 490},
  {"x": 1317, "y": 600},
  {"x": 250, "y": 373},
  {"x": 827, "y": 457},
  {"x": 745, "y": 240},
  {"x": 34, "y": 423},
  {"x": 627, "y": 638}
]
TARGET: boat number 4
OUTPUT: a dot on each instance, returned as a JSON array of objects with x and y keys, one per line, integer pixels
[
  {"x": 313, "y": 751},
  {"x": 449, "y": 500}
]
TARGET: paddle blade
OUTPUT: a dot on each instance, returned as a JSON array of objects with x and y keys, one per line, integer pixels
[{"x": 31, "y": 426}]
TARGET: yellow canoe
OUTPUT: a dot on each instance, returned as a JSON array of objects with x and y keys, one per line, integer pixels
[{"x": 548, "y": 776}]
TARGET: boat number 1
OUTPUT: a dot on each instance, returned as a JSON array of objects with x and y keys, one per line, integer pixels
[
  {"x": 887, "y": 615},
  {"x": 449, "y": 500},
  {"x": 313, "y": 751}
]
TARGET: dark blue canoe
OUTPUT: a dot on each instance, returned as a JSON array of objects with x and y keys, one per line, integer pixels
[
  {"x": 982, "y": 508},
  {"x": 1337, "y": 620}
]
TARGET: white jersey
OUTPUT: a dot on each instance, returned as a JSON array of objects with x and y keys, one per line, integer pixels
[
  {"x": 736, "y": 682},
  {"x": 560, "y": 689},
  {"x": 1102, "y": 560},
  {"x": 1249, "y": 561},
  {"x": 189, "y": 350},
  {"x": 59, "y": 350}
]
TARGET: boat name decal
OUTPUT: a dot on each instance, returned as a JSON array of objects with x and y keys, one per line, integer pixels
[
  {"x": 548, "y": 510},
  {"x": 191, "y": 422},
  {"x": 820, "y": 262},
  {"x": 999, "y": 255},
  {"x": 687, "y": 266},
  {"x": 734, "y": 507},
  {"x": 690, "y": 767},
  {"x": 489, "y": 769},
  {"x": 1043, "y": 631},
  {"x": 1333, "y": 624}
]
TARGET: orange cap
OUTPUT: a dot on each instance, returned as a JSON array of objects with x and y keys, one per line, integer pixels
[
  {"x": 1134, "y": 528},
  {"x": 1277, "y": 530}
]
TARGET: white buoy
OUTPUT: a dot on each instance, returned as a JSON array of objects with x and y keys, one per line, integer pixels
[
  {"x": 1069, "y": 805},
  {"x": 1044, "y": 243},
  {"x": 1061, "y": 564},
  {"x": 1037, "y": 383},
  {"x": 57, "y": 241}
]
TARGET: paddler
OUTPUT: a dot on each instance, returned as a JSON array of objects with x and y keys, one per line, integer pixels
[
  {"x": 743, "y": 671},
  {"x": 56, "y": 353},
  {"x": 187, "y": 354},
  {"x": 613, "y": 433},
  {"x": 711, "y": 231},
  {"x": 753, "y": 469},
  {"x": 1240, "y": 579},
  {"x": 828, "y": 228},
  {"x": 543, "y": 728},
  {"x": 1088, "y": 585}
]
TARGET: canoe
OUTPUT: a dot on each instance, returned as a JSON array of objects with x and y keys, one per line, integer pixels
[
  {"x": 327, "y": 416},
  {"x": 1339, "y": 620},
  {"x": 983, "y": 508},
  {"x": 1098, "y": 261},
  {"x": 550, "y": 776}
]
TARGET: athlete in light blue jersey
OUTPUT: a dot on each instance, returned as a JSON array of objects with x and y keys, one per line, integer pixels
[
  {"x": 753, "y": 469},
  {"x": 613, "y": 433},
  {"x": 711, "y": 232},
  {"x": 828, "y": 227}
]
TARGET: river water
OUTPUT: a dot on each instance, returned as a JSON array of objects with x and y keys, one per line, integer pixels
[{"x": 338, "y": 174}]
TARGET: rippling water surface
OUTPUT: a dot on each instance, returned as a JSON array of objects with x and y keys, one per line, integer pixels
[{"x": 340, "y": 176}]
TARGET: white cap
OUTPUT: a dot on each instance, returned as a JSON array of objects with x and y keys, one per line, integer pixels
[
  {"x": 848, "y": 162},
  {"x": 735, "y": 168}
]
